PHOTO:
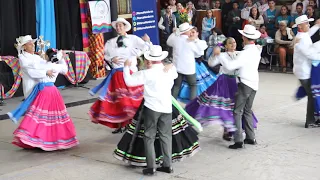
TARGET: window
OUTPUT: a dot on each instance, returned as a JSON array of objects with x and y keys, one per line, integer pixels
[{"x": 124, "y": 7}]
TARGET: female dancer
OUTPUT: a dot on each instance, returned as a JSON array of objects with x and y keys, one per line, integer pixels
[
  {"x": 215, "y": 105},
  {"x": 205, "y": 77},
  {"x": 46, "y": 124},
  {"x": 118, "y": 103}
]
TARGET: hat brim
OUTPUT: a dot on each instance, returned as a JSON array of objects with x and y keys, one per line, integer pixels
[
  {"x": 309, "y": 20},
  {"x": 158, "y": 58},
  {"x": 33, "y": 41},
  {"x": 256, "y": 34},
  {"x": 127, "y": 25},
  {"x": 178, "y": 32}
]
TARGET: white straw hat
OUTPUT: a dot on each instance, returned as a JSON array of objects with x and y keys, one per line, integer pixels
[
  {"x": 250, "y": 32},
  {"x": 155, "y": 53},
  {"x": 302, "y": 19},
  {"x": 127, "y": 25}
]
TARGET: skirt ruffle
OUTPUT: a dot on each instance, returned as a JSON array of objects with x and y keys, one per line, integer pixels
[
  {"x": 120, "y": 104},
  {"x": 184, "y": 142},
  {"x": 46, "y": 124},
  {"x": 205, "y": 78},
  {"x": 215, "y": 105}
]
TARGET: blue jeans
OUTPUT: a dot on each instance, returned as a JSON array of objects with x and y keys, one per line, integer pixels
[
  {"x": 208, "y": 53},
  {"x": 205, "y": 35}
]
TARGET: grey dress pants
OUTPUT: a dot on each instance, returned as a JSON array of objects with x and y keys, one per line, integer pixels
[
  {"x": 242, "y": 111},
  {"x": 162, "y": 123}
]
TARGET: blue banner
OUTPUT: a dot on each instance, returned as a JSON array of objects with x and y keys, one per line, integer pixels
[{"x": 145, "y": 20}]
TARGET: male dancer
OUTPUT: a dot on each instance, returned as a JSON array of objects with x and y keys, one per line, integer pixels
[
  {"x": 184, "y": 52},
  {"x": 302, "y": 64},
  {"x": 247, "y": 63},
  {"x": 157, "y": 106}
]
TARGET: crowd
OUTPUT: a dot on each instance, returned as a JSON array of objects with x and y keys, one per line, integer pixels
[{"x": 274, "y": 20}]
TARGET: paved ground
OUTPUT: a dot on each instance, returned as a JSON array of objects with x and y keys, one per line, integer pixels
[{"x": 286, "y": 150}]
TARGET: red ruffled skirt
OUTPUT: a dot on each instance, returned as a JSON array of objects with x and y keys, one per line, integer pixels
[
  {"x": 120, "y": 104},
  {"x": 46, "y": 124}
]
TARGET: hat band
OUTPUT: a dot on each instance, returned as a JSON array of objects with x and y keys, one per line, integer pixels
[
  {"x": 248, "y": 33},
  {"x": 155, "y": 56}
]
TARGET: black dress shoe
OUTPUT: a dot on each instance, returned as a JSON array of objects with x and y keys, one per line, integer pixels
[
  {"x": 148, "y": 171},
  {"x": 250, "y": 141},
  {"x": 236, "y": 145},
  {"x": 311, "y": 125},
  {"x": 227, "y": 137},
  {"x": 165, "y": 169}
]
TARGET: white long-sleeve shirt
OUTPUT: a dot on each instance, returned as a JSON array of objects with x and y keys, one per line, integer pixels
[
  {"x": 185, "y": 52},
  {"x": 312, "y": 52},
  {"x": 157, "y": 86},
  {"x": 134, "y": 46},
  {"x": 58, "y": 68},
  {"x": 33, "y": 69},
  {"x": 247, "y": 64},
  {"x": 301, "y": 63},
  {"x": 215, "y": 60}
]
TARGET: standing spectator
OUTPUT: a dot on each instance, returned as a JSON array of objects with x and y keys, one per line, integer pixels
[
  {"x": 208, "y": 23},
  {"x": 294, "y": 5},
  {"x": 225, "y": 9},
  {"x": 216, "y": 4},
  {"x": 270, "y": 18},
  {"x": 180, "y": 10},
  {"x": 203, "y": 4},
  {"x": 172, "y": 3},
  {"x": 284, "y": 44},
  {"x": 311, "y": 14},
  {"x": 255, "y": 18},
  {"x": 299, "y": 12},
  {"x": 192, "y": 13},
  {"x": 167, "y": 24},
  {"x": 284, "y": 16},
  {"x": 245, "y": 12},
  {"x": 262, "y": 6},
  {"x": 235, "y": 23}
]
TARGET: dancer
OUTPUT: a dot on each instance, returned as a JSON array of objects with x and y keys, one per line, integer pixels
[
  {"x": 247, "y": 64},
  {"x": 312, "y": 52},
  {"x": 185, "y": 50},
  {"x": 215, "y": 105},
  {"x": 157, "y": 110},
  {"x": 204, "y": 76},
  {"x": 30, "y": 64},
  {"x": 46, "y": 124},
  {"x": 117, "y": 102},
  {"x": 184, "y": 141},
  {"x": 302, "y": 64}
]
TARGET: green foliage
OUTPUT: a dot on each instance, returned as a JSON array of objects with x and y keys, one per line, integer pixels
[{"x": 183, "y": 17}]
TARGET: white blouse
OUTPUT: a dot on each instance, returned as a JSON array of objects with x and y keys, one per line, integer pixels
[
  {"x": 230, "y": 56},
  {"x": 134, "y": 46}
]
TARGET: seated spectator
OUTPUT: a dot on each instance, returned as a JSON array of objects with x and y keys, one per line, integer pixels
[
  {"x": 216, "y": 39},
  {"x": 208, "y": 23},
  {"x": 284, "y": 16},
  {"x": 299, "y": 12},
  {"x": 245, "y": 12},
  {"x": 262, "y": 6},
  {"x": 192, "y": 13},
  {"x": 203, "y": 4},
  {"x": 270, "y": 18},
  {"x": 294, "y": 6},
  {"x": 263, "y": 41},
  {"x": 255, "y": 18},
  {"x": 216, "y": 4},
  {"x": 263, "y": 31},
  {"x": 284, "y": 43}
]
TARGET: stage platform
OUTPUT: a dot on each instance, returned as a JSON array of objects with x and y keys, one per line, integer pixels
[{"x": 73, "y": 96}]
